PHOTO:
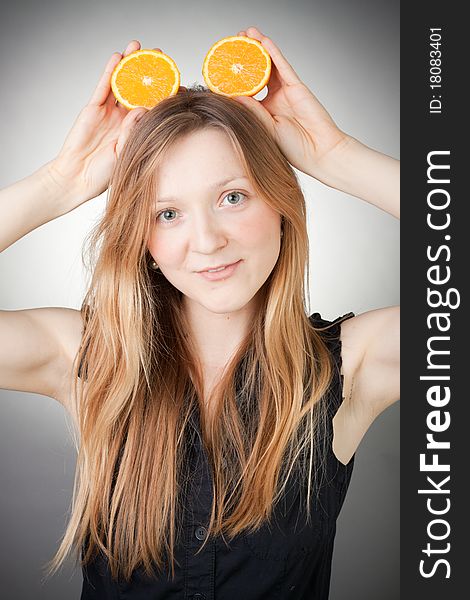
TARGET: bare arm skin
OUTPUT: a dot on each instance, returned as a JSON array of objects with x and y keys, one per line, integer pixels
[
  {"x": 313, "y": 143},
  {"x": 38, "y": 345},
  {"x": 371, "y": 367},
  {"x": 38, "y": 348}
]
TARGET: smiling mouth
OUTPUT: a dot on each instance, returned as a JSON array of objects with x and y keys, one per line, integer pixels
[
  {"x": 221, "y": 273},
  {"x": 215, "y": 269}
]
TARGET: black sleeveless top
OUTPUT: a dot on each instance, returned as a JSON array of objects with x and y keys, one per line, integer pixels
[{"x": 285, "y": 559}]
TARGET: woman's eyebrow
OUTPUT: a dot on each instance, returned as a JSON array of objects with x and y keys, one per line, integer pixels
[{"x": 214, "y": 186}]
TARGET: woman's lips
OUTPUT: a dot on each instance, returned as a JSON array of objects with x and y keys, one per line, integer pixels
[{"x": 223, "y": 274}]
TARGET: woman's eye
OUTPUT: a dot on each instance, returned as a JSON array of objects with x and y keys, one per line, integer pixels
[
  {"x": 233, "y": 198},
  {"x": 164, "y": 212}
]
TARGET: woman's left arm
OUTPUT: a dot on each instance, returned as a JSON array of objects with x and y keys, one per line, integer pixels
[
  {"x": 311, "y": 141},
  {"x": 360, "y": 171}
]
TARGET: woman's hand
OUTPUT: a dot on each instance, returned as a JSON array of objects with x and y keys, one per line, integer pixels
[
  {"x": 86, "y": 160},
  {"x": 303, "y": 129},
  {"x": 310, "y": 140}
]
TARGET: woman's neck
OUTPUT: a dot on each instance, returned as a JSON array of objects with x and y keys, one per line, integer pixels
[{"x": 217, "y": 336}]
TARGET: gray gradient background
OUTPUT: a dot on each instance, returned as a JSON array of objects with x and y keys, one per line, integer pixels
[{"x": 52, "y": 54}]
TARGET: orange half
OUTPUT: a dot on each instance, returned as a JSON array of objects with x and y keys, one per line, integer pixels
[
  {"x": 237, "y": 66},
  {"x": 144, "y": 78}
]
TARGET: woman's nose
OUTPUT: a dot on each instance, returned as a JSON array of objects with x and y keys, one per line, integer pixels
[{"x": 207, "y": 235}]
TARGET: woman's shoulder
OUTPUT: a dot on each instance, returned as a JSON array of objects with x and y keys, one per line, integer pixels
[
  {"x": 69, "y": 323},
  {"x": 339, "y": 336},
  {"x": 331, "y": 330},
  {"x": 320, "y": 322}
]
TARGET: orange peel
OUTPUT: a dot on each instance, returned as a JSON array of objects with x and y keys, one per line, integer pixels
[
  {"x": 145, "y": 77},
  {"x": 237, "y": 66}
]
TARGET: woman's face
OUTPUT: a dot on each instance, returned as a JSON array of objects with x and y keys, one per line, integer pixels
[{"x": 207, "y": 214}]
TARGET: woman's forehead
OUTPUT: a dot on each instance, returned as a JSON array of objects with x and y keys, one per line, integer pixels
[
  {"x": 206, "y": 158},
  {"x": 210, "y": 186}
]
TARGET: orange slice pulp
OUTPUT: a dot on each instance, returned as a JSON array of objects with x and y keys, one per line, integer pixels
[
  {"x": 144, "y": 78},
  {"x": 237, "y": 66}
]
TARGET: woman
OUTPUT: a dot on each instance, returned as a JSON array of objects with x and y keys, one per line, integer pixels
[{"x": 217, "y": 422}]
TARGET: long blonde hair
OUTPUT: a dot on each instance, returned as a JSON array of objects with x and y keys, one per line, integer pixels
[{"x": 144, "y": 380}]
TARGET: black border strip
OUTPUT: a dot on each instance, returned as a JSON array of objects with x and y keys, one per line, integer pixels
[{"x": 424, "y": 132}]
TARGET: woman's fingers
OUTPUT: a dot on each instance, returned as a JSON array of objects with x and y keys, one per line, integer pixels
[
  {"x": 132, "y": 46},
  {"x": 103, "y": 89},
  {"x": 127, "y": 124},
  {"x": 259, "y": 110},
  {"x": 286, "y": 73}
]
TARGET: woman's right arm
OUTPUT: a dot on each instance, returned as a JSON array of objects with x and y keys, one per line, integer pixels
[
  {"x": 31, "y": 202},
  {"x": 38, "y": 345}
]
